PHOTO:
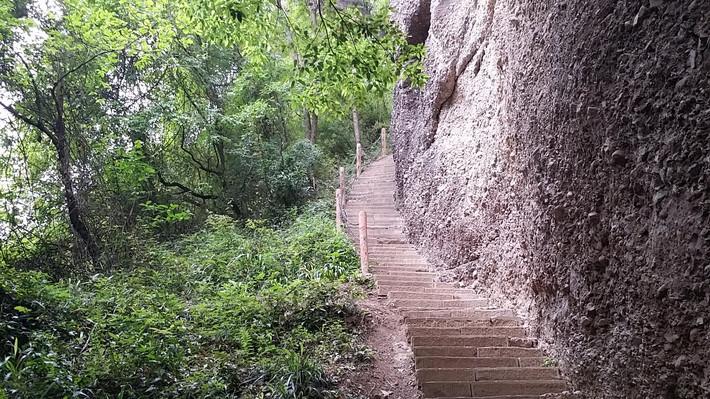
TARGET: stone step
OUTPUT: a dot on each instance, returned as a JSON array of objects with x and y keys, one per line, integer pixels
[
  {"x": 463, "y": 341},
  {"x": 447, "y": 351},
  {"x": 440, "y": 304},
  {"x": 404, "y": 279},
  {"x": 455, "y": 313},
  {"x": 488, "y": 374},
  {"x": 506, "y": 351},
  {"x": 454, "y": 290},
  {"x": 463, "y": 331},
  {"x": 384, "y": 274},
  {"x": 371, "y": 202},
  {"x": 394, "y": 248},
  {"x": 385, "y": 286},
  {"x": 374, "y": 209},
  {"x": 517, "y": 373},
  {"x": 406, "y": 254},
  {"x": 379, "y": 268},
  {"x": 389, "y": 260},
  {"x": 399, "y": 259},
  {"x": 438, "y": 362},
  {"x": 482, "y": 389},
  {"x": 429, "y": 295},
  {"x": 483, "y": 319},
  {"x": 497, "y": 397}
]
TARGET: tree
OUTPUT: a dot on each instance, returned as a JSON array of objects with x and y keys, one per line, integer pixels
[{"x": 61, "y": 85}]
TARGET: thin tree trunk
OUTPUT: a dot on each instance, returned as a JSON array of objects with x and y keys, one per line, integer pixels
[
  {"x": 314, "y": 127},
  {"x": 74, "y": 208},
  {"x": 310, "y": 126},
  {"x": 306, "y": 124}
]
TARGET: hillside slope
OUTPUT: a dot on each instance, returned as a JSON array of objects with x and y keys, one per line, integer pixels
[{"x": 558, "y": 158}]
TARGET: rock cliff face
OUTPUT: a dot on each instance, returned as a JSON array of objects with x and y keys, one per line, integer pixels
[{"x": 559, "y": 159}]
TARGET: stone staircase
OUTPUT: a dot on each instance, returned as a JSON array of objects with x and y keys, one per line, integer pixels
[{"x": 463, "y": 348}]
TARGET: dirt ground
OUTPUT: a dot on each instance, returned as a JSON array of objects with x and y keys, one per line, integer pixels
[{"x": 391, "y": 373}]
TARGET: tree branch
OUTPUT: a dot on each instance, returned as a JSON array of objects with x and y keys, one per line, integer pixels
[
  {"x": 194, "y": 158},
  {"x": 36, "y": 124},
  {"x": 185, "y": 189}
]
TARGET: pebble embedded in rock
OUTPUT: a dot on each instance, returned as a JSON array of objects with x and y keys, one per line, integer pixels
[
  {"x": 671, "y": 337},
  {"x": 618, "y": 157},
  {"x": 594, "y": 218},
  {"x": 640, "y": 15}
]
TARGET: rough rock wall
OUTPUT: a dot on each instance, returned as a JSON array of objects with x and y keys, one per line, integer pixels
[{"x": 559, "y": 158}]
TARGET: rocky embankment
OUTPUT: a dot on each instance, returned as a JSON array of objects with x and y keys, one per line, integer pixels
[{"x": 558, "y": 159}]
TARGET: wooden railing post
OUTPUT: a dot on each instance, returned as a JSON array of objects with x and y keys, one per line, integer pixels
[
  {"x": 339, "y": 209},
  {"x": 341, "y": 180},
  {"x": 364, "y": 257},
  {"x": 358, "y": 159},
  {"x": 383, "y": 140}
]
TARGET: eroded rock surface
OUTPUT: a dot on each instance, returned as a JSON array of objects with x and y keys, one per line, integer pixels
[{"x": 559, "y": 158}]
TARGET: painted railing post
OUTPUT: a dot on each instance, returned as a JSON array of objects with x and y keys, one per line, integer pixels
[
  {"x": 364, "y": 257},
  {"x": 383, "y": 140},
  {"x": 358, "y": 159},
  {"x": 339, "y": 209}
]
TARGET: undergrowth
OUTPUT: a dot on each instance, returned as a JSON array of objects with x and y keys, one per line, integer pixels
[{"x": 246, "y": 311}]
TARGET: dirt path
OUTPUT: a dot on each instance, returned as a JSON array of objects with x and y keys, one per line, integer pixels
[{"x": 461, "y": 346}]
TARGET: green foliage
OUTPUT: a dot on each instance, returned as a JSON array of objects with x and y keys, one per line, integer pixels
[
  {"x": 344, "y": 57},
  {"x": 226, "y": 312}
]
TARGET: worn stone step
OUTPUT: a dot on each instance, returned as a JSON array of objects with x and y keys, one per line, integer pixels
[
  {"x": 397, "y": 259},
  {"x": 481, "y": 320},
  {"x": 389, "y": 269},
  {"x": 497, "y": 397},
  {"x": 388, "y": 261},
  {"x": 443, "y": 362},
  {"x": 454, "y": 291},
  {"x": 455, "y": 313},
  {"x": 517, "y": 373},
  {"x": 405, "y": 277},
  {"x": 496, "y": 388},
  {"x": 487, "y": 374},
  {"x": 462, "y": 340},
  {"x": 446, "y": 351},
  {"x": 429, "y": 295},
  {"x": 440, "y": 304},
  {"x": 383, "y": 271},
  {"x": 533, "y": 362},
  {"x": 403, "y": 251},
  {"x": 506, "y": 351},
  {"x": 381, "y": 283},
  {"x": 482, "y": 389},
  {"x": 406, "y": 256},
  {"x": 478, "y": 331},
  {"x": 384, "y": 289}
]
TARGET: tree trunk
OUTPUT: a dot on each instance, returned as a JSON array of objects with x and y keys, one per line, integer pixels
[
  {"x": 74, "y": 207},
  {"x": 310, "y": 126},
  {"x": 314, "y": 9},
  {"x": 314, "y": 128}
]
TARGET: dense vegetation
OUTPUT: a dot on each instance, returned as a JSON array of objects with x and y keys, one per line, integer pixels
[
  {"x": 159, "y": 163},
  {"x": 225, "y": 312}
]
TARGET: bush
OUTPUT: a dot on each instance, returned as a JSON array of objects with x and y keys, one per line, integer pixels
[{"x": 230, "y": 311}]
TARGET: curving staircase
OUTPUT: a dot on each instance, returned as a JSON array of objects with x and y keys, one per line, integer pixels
[{"x": 463, "y": 348}]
